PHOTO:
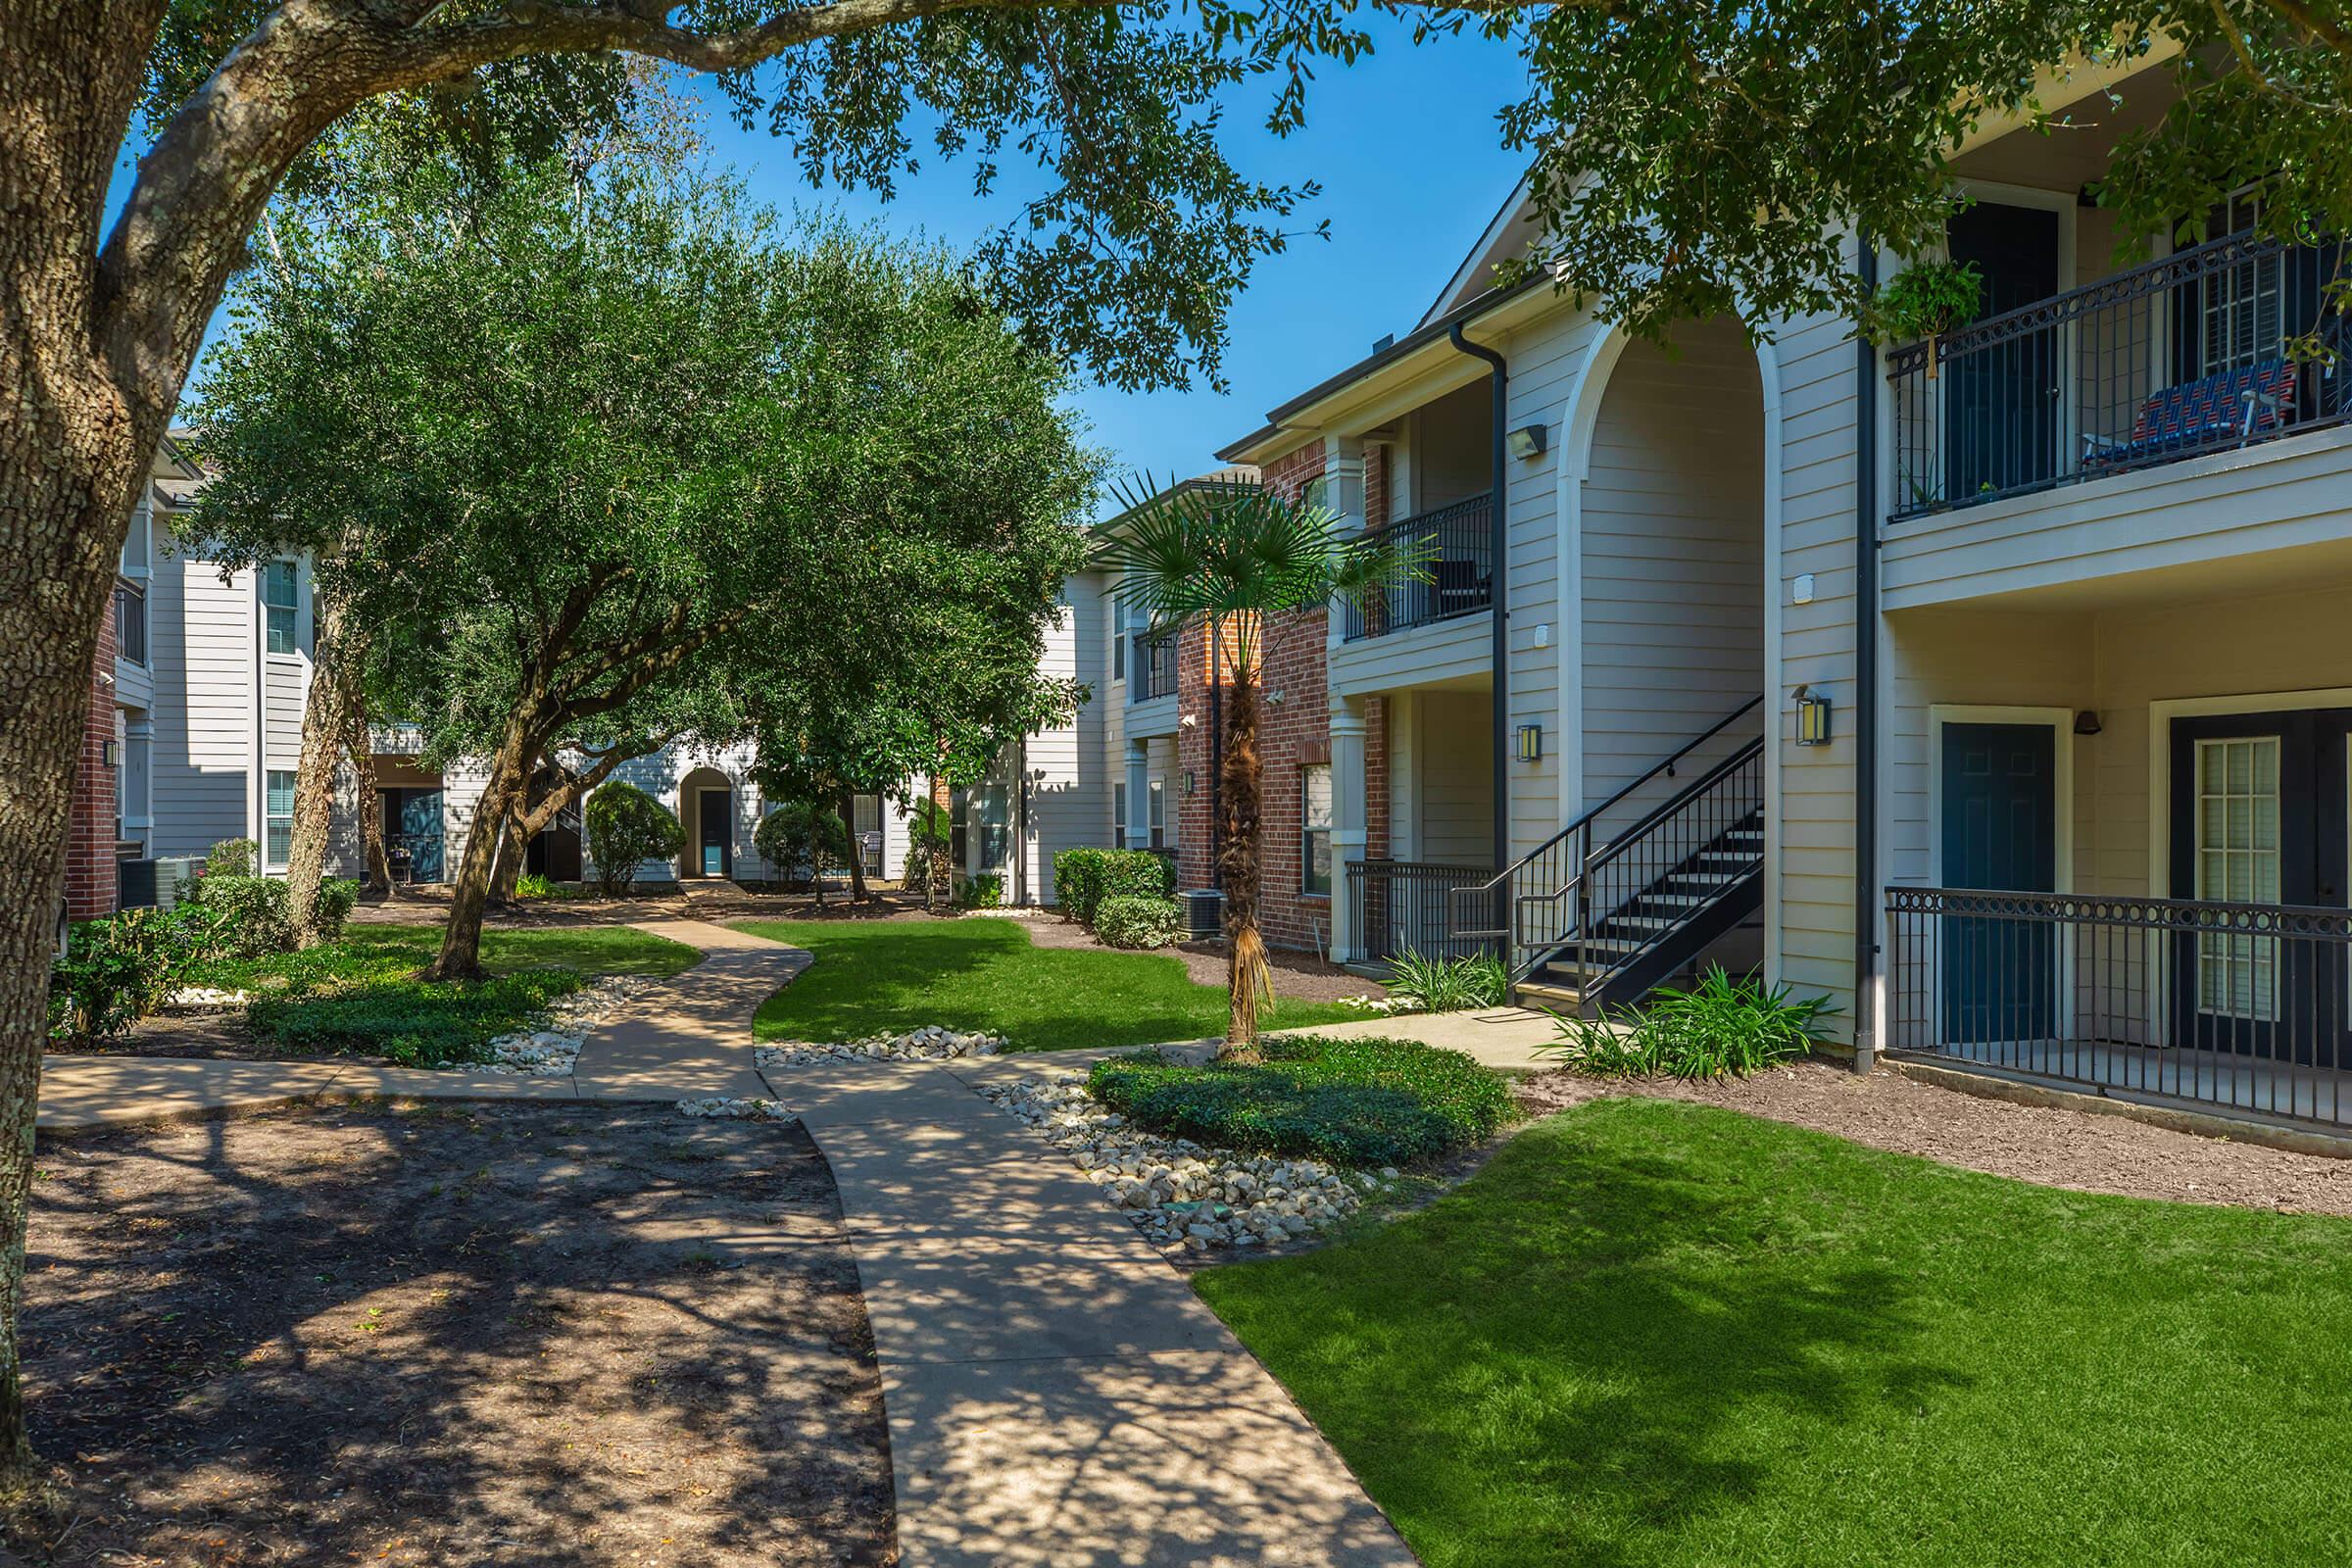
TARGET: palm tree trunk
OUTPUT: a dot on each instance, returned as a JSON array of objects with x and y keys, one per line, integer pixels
[{"x": 1248, "y": 981}]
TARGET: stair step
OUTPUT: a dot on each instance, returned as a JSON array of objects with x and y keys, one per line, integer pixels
[{"x": 1543, "y": 993}]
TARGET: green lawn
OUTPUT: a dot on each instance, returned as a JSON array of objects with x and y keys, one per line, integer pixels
[
  {"x": 1651, "y": 1333},
  {"x": 986, "y": 975},
  {"x": 354, "y": 995}
]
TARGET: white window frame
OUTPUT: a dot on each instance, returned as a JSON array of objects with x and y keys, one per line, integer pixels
[
  {"x": 1308, "y": 832},
  {"x": 273, "y": 862},
  {"x": 270, "y": 608}
]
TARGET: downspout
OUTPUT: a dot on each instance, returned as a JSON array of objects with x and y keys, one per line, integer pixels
[
  {"x": 1866, "y": 674},
  {"x": 1499, "y": 550}
]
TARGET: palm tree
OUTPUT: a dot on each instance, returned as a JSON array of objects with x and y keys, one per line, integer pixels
[{"x": 1230, "y": 559}]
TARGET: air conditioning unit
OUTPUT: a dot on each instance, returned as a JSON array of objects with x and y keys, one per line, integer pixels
[
  {"x": 170, "y": 872},
  {"x": 1205, "y": 915}
]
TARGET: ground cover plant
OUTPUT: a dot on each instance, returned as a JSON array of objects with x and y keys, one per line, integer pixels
[
  {"x": 1719, "y": 1028},
  {"x": 1654, "y": 1333},
  {"x": 433, "y": 1336},
  {"x": 1360, "y": 1101},
  {"x": 1418, "y": 983},
  {"x": 984, "y": 973},
  {"x": 361, "y": 995}
]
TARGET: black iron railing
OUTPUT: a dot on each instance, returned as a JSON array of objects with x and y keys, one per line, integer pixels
[
  {"x": 1446, "y": 568},
  {"x": 2226, "y": 343},
  {"x": 2242, "y": 1007},
  {"x": 131, "y": 624},
  {"x": 1538, "y": 904},
  {"x": 1402, "y": 906},
  {"x": 1155, "y": 666}
]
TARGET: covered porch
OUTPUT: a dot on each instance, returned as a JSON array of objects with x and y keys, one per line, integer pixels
[{"x": 1425, "y": 814}]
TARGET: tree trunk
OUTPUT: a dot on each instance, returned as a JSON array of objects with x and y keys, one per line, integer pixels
[
  {"x": 370, "y": 803},
  {"x": 848, "y": 828},
  {"x": 325, "y": 725},
  {"x": 461, "y": 952},
  {"x": 512, "y": 850},
  {"x": 1248, "y": 981},
  {"x": 939, "y": 873}
]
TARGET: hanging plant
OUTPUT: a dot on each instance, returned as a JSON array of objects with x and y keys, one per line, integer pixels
[{"x": 1928, "y": 299}]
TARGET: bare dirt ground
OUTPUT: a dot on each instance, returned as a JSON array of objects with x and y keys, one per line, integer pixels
[
  {"x": 2079, "y": 1150},
  {"x": 455, "y": 1334}
]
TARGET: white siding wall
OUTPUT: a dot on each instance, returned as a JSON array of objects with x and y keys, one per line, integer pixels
[
  {"x": 1452, "y": 785},
  {"x": 202, "y": 642}
]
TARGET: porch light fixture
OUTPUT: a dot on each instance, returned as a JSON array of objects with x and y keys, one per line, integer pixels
[
  {"x": 1531, "y": 743},
  {"x": 1528, "y": 441},
  {"x": 109, "y": 752},
  {"x": 1812, "y": 717},
  {"x": 1190, "y": 778},
  {"x": 2086, "y": 722}
]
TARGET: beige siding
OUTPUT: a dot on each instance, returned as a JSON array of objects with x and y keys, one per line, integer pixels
[
  {"x": 202, "y": 646},
  {"x": 1454, "y": 779}
]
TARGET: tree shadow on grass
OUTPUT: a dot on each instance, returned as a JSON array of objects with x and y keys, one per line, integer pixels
[
  {"x": 1598, "y": 1351},
  {"x": 519, "y": 1335}
]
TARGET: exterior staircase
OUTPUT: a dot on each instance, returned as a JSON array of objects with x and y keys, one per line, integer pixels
[{"x": 1601, "y": 914}]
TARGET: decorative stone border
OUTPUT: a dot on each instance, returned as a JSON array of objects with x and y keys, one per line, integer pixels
[{"x": 931, "y": 1043}]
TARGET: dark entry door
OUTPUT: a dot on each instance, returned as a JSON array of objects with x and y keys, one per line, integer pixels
[
  {"x": 412, "y": 819},
  {"x": 710, "y": 814},
  {"x": 2000, "y": 831},
  {"x": 2003, "y": 401},
  {"x": 2259, "y": 817}
]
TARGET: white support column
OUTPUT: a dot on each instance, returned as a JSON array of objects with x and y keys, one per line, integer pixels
[
  {"x": 1348, "y": 822},
  {"x": 1135, "y": 831}
]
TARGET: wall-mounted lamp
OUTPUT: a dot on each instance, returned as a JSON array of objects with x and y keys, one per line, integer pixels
[
  {"x": 1531, "y": 743},
  {"x": 1277, "y": 697},
  {"x": 111, "y": 753},
  {"x": 1190, "y": 778},
  {"x": 1528, "y": 441},
  {"x": 1812, "y": 717},
  {"x": 1188, "y": 722},
  {"x": 2086, "y": 722}
]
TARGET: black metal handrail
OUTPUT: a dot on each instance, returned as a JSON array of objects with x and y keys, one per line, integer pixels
[
  {"x": 2215, "y": 346},
  {"x": 1402, "y": 905},
  {"x": 1445, "y": 568},
  {"x": 2242, "y": 1007},
  {"x": 1633, "y": 891},
  {"x": 1155, "y": 665},
  {"x": 1546, "y": 875}
]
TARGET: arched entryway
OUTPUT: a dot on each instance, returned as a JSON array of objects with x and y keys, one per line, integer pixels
[{"x": 706, "y": 812}]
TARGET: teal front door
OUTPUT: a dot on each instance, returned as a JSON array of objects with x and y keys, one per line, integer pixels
[
  {"x": 2000, "y": 832},
  {"x": 711, "y": 818}
]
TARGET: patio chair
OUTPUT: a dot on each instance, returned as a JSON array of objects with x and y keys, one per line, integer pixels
[
  {"x": 1458, "y": 587},
  {"x": 2211, "y": 411}
]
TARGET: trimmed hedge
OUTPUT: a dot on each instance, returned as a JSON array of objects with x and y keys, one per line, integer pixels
[
  {"x": 1362, "y": 1101},
  {"x": 1084, "y": 878},
  {"x": 1130, "y": 921}
]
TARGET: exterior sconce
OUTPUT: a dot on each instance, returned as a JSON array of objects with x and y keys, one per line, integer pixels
[
  {"x": 1189, "y": 779},
  {"x": 1812, "y": 717},
  {"x": 1188, "y": 722},
  {"x": 1531, "y": 743},
  {"x": 2086, "y": 722},
  {"x": 109, "y": 752},
  {"x": 1528, "y": 441}
]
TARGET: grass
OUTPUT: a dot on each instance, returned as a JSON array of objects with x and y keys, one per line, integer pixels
[
  {"x": 1663, "y": 1333},
  {"x": 357, "y": 994},
  {"x": 1362, "y": 1101},
  {"x": 986, "y": 975}
]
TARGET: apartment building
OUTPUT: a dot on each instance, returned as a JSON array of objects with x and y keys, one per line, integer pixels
[{"x": 1988, "y": 687}]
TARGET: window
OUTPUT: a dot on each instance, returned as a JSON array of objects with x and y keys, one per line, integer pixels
[
  {"x": 1119, "y": 641},
  {"x": 1314, "y": 829},
  {"x": 2237, "y": 862},
  {"x": 277, "y": 819},
  {"x": 277, "y": 605},
  {"x": 1159, "y": 815},
  {"x": 1118, "y": 814}
]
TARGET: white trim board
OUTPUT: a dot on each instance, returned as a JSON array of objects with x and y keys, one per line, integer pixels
[{"x": 2161, "y": 715}]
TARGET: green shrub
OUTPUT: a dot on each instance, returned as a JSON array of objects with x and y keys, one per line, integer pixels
[
  {"x": 339, "y": 896},
  {"x": 625, "y": 827},
  {"x": 117, "y": 970},
  {"x": 1363, "y": 1101},
  {"x": 531, "y": 887},
  {"x": 1722, "y": 1027},
  {"x": 984, "y": 890},
  {"x": 230, "y": 857},
  {"x": 929, "y": 836},
  {"x": 799, "y": 838},
  {"x": 1421, "y": 984},
  {"x": 1078, "y": 883},
  {"x": 1131, "y": 921},
  {"x": 417, "y": 1023},
  {"x": 250, "y": 912},
  {"x": 1084, "y": 878}
]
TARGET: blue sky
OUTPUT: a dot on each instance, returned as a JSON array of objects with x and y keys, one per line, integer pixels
[{"x": 1405, "y": 145}]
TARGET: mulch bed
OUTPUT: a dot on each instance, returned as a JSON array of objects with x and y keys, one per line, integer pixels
[
  {"x": 219, "y": 1035},
  {"x": 2080, "y": 1151},
  {"x": 482, "y": 1334},
  {"x": 1298, "y": 976}
]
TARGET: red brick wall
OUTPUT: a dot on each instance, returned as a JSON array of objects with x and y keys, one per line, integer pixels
[{"x": 90, "y": 828}]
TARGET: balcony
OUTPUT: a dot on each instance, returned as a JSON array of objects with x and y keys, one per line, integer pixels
[
  {"x": 1406, "y": 906},
  {"x": 130, "y": 625},
  {"x": 1155, "y": 667},
  {"x": 2218, "y": 347},
  {"x": 2237, "y": 1007},
  {"x": 1446, "y": 571}
]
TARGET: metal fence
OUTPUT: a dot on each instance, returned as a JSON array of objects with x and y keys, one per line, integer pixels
[
  {"x": 1446, "y": 569},
  {"x": 1403, "y": 906},
  {"x": 2216, "y": 346},
  {"x": 2242, "y": 1007},
  {"x": 1155, "y": 666}
]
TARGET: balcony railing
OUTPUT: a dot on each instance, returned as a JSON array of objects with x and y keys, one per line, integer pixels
[
  {"x": 1155, "y": 666},
  {"x": 130, "y": 625},
  {"x": 2226, "y": 343},
  {"x": 1447, "y": 569},
  {"x": 2245, "y": 1007},
  {"x": 1403, "y": 906}
]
